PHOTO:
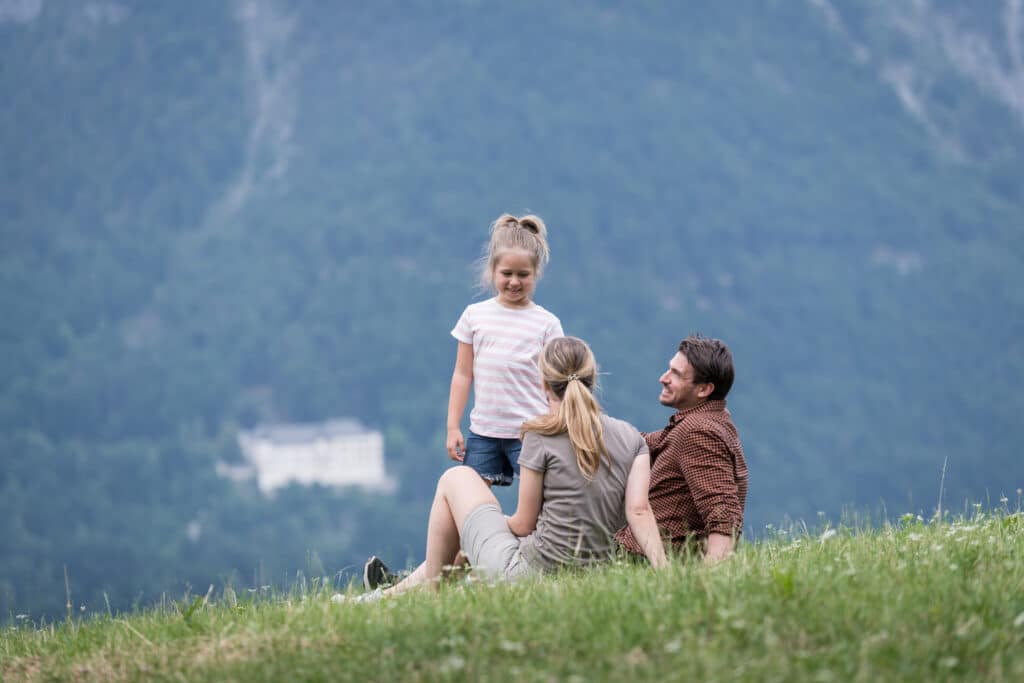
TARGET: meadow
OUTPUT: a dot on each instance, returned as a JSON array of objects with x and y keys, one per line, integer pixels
[{"x": 910, "y": 600}]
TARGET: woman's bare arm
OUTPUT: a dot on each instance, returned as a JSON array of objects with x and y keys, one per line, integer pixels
[
  {"x": 639, "y": 515},
  {"x": 531, "y": 492}
]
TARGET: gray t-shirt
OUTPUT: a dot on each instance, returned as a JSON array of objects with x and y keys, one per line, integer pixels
[{"x": 578, "y": 518}]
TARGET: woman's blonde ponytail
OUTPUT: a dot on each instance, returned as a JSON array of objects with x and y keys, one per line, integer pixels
[{"x": 569, "y": 370}]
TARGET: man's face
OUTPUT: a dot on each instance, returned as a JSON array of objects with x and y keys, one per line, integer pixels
[{"x": 677, "y": 387}]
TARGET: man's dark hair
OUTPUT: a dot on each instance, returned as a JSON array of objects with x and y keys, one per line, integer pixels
[{"x": 711, "y": 361}]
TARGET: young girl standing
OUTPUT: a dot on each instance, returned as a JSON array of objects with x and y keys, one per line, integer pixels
[{"x": 499, "y": 341}]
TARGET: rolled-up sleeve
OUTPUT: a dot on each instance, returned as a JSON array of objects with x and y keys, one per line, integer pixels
[{"x": 709, "y": 470}]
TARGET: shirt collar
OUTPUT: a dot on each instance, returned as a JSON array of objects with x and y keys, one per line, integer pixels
[{"x": 716, "y": 406}]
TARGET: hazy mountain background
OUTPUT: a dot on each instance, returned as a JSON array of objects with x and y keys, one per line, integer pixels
[{"x": 214, "y": 215}]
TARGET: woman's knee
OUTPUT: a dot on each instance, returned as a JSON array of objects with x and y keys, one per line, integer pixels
[
  {"x": 463, "y": 489},
  {"x": 458, "y": 477}
]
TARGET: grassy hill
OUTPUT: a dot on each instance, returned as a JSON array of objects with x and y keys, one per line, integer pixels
[{"x": 929, "y": 601}]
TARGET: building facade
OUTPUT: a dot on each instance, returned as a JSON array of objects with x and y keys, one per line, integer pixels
[{"x": 333, "y": 453}]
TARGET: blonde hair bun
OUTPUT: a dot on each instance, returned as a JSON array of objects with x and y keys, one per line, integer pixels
[{"x": 527, "y": 233}]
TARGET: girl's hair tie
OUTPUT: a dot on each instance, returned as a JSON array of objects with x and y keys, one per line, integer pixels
[{"x": 572, "y": 377}]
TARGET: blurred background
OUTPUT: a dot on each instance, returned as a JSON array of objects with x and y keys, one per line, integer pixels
[{"x": 218, "y": 218}]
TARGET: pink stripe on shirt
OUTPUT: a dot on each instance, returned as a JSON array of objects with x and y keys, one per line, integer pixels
[{"x": 506, "y": 382}]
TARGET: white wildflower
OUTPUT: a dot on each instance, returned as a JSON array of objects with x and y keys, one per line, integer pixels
[
  {"x": 513, "y": 647},
  {"x": 1019, "y": 621},
  {"x": 829, "y": 533},
  {"x": 914, "y": 537},
  {"x": 954, "y": 566},
  {"x": 454, "y": 641},
  {"x": 949, "y": 662},
  {"x": 937, "y": 547},
  {"x": 452, "y": 663},
  {"x": 677, "y": 645}
]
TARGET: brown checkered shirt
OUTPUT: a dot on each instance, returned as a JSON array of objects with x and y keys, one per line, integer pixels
[{"x": 698, "y": 477}]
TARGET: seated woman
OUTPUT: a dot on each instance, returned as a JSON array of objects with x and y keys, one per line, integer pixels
[{"x": 583, "y": 475}]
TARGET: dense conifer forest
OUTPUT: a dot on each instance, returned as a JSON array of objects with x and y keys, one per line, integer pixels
[{"x": 217, "y": 215}]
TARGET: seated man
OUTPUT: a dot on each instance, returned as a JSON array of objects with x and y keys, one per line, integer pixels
[{"x": 698, "y": 473}]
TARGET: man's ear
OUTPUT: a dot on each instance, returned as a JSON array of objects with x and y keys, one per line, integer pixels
[{"x": 706, "y": 389}]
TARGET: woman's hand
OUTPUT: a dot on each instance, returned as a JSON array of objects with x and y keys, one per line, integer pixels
[{"x": 456, "y": 445}]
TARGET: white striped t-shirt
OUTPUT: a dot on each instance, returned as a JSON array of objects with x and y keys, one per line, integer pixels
[{"x": 506, "y": 381}]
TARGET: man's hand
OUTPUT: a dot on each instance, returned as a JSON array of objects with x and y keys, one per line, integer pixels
[
  {"x": 456, "y": 445},
  {"x": 719, "y": 547}
]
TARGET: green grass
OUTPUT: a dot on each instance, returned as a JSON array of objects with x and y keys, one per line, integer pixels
[{"x": 912, "y": 601}]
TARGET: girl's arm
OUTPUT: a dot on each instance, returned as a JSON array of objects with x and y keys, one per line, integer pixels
[
  {"x": 458, "y": 395},
  {"x": 531, "y": 492},
  {"x": 639, "y": 514}
]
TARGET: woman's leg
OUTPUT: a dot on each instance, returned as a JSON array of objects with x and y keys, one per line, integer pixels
[
  {"x": 411, "y": 581},
  {"x": 460, "y": 490}
]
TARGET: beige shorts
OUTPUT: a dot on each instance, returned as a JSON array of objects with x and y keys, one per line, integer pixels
[{"x": 492, "y": 549}]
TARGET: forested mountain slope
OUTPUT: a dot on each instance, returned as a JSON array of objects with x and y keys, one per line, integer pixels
[{"x": 219, "y": 214}]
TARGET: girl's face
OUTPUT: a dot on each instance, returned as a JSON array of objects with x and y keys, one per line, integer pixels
[{"x": 514, "y": 277}]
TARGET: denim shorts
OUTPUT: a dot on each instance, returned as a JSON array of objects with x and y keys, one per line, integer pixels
[{"x": 495, "y": 460}]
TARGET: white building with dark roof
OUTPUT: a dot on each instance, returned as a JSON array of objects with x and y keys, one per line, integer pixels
[{"x": 333, "y": 453}]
